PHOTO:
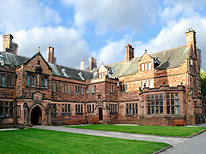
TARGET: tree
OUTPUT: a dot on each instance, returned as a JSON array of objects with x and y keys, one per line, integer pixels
[{"x": 203, "y": 82}]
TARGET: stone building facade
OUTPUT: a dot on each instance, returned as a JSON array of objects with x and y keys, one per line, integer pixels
[{"x": 153, "y": 89}]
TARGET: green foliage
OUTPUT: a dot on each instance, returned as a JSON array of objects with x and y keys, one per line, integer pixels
[
  {"x": 152, "y": 130},
  {"x": 45, "y": 141},
  {"x": 203, "y": 82}
]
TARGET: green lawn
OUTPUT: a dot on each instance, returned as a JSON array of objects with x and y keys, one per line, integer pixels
[
  {"x": 45, "y": 141},
  {"x": 153, "y": 130}
]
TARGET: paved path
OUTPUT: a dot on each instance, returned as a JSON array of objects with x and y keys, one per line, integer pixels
[
  {"x": 170, "y": 140},
  {"x": 196, "y": 145}
]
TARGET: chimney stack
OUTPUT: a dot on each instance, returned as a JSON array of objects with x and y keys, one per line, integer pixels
[
  {"x": 191, "y": 39},
  {"x": 15, "y": 47},
  {"x": 129, "y": 53},
  {"x": 82, "y": 64},
  {"x": 92, "y": 63},
  {"x": 7, "y": 43},
  {"x": 50, "y": 55}
]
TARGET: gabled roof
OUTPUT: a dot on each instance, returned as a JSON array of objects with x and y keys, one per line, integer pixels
[
  {"x": 16, "y": 61},
  {"x": 168, "y": 59},
  {"x": 37, "y": 54}
]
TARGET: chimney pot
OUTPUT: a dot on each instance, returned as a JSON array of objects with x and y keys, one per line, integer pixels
[{"x": 82, "y": 64}]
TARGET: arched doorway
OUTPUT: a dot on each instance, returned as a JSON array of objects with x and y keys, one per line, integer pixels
[
  {"x": 100, "y": 114},
  {"x": 36, "y": 116}
]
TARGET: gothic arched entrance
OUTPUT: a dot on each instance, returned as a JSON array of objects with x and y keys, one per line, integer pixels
[
  {"x": 36, "y": 116},
  {"x": 100, "y": 114}
]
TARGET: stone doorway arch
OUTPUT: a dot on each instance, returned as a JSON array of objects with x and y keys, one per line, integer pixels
[{"x": 37, "y": 115}]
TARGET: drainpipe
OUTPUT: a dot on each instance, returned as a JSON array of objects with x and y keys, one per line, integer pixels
[
  {"x": 118, "y": 102},
  {"x": 186, "y": 91},
  {"x": 85, "y": 99},
  {"x": 15, "y": 102}
]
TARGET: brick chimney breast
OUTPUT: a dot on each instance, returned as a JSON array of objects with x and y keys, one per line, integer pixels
[
  {"x": 92, "y": 63},
  {"x": 129, "y": 53},
  {"x": 191, "y": 39},
  {"x": 50, "y": 55},
  {"x": 7, "y": 43}
]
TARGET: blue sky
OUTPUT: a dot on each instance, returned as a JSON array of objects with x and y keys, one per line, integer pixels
[{"x": 79, "y": 29}]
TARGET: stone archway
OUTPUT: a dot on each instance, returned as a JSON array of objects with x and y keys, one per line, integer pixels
[{"x": 36, "y": 116}]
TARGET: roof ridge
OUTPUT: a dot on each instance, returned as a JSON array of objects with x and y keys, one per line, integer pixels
[
  {"x": 115, "y": 63},
  {"x": 71, "y": 68},
  {"x": 168, "y": 49}
]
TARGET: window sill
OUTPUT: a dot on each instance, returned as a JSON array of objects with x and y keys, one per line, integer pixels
[
  {"x": 66, "y": 113},
  {"x": 131, "y": 115},
  {"x": 79, "y": 113}
]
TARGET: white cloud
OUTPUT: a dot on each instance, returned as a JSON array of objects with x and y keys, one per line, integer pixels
[
  {"x": 23, "y": 14},
  {"x": 69, "y": 47},
  {"x": 114, "y": 15},
  {"x": 169, "y": 37},
  {"x": 179, "y": 9}
]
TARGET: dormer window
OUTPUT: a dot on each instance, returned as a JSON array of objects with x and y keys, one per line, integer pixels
[{"x": 146, "y": 66}]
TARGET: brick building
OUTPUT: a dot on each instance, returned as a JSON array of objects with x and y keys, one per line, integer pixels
[{"x": 153, "y": 89}]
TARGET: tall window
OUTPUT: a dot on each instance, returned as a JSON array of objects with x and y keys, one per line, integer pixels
[
  {"x": 94, "y": 89},
  {"x": 6, "y": 109},
  {"x": 44, "y": 82},
  {"x": 155, "y": 104},
  {"x": 172, "y": 103},
  {"x": 62, "y": 87},
  {"x": 65, "y": 108},
  {"x": 54, "y": 86},
  {"x": 79, "y": 89},
  {"x": 10, "y": 80},
  {"x": 112, "y": 88},
  {"x": 113, "y": 108},
  {"x": 90, "y": 108},
  {"x": 123, "y": 87},
  {"x": 67, "y": 88},
  {"x": 146, "y": 66},
  {"x": 142, "y": 67},
  {"x": 147, "y": 83},
  {"x": 53, "y": 108},
  {"x": 79, "y": 109},
  {"x": 30, "y": 80},
  {"x": 131, "y": 108}
]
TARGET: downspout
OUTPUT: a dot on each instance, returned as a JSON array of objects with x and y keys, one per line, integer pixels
[
  {"x": 15, "y": 102},
  {"x": 85, "y": 99}
]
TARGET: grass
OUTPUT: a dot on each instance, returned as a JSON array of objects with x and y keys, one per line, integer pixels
[
  {"x": 152, "y": 130},
  {"x": 45, "y": 141}
]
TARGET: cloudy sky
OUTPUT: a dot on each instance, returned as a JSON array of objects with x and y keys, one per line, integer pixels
[{"x": 79, "y": 29}]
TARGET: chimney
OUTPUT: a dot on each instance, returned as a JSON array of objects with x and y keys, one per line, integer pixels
[
  {"x": 129, "y": 53},
  {"x": 50, "y": 55},
  {"x": 92, "y": 63},
  {"x": 82, "y": 64},
  {"x": 7, "y": 43},
  {"x": 191, "y": 39},
  {"x": 15, "y": 47}
]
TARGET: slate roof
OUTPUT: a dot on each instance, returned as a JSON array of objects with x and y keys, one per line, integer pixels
[
  {"x": 58, "y": 70},
  {"x": 13, "y": 60},
  {"x": 168, "y": 59}
]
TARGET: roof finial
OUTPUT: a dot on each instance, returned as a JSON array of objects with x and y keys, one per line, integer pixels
[
  {"x": 145, "y": 51},
  {"x": 38, "y": 49}
]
